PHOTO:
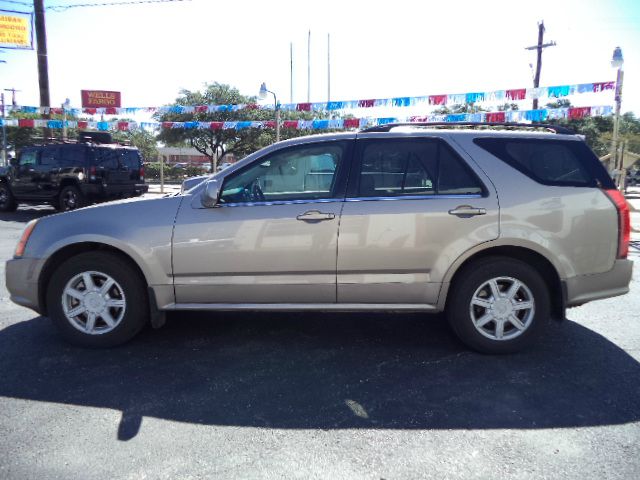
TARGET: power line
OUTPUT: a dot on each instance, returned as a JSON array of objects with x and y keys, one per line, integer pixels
[
  {"x": 26, "y": 4},
  {"x": 62, "y": 8}
]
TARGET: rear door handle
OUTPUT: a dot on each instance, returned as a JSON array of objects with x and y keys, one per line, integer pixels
[
  {"x": 467, "y": 211},
  {"x": 315, "y": 216}
]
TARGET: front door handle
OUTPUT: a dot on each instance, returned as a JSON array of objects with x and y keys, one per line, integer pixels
[
  {"x": 315, "y": 216},
  {"x": 467, "y": 211}
]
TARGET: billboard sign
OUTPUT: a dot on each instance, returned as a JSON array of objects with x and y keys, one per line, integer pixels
[
  {"x": 100, "y": 98},
  {"x": 16, "y": 30}
]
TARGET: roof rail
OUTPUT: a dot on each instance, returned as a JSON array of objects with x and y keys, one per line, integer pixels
[{"x": 552, "y": 128}]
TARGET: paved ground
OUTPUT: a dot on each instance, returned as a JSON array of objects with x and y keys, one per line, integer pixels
[{"x": 319, "y": 396}]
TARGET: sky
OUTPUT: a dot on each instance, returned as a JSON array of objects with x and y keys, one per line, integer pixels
[{"x": 379, "y": 49}]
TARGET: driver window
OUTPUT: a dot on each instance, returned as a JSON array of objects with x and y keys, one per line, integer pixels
[
  {"x": 28, "y": 158},
  {"x": 300, "y": 173}
]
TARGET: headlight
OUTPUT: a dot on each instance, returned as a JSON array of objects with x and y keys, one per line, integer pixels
[{"x": 22, "y": 244}]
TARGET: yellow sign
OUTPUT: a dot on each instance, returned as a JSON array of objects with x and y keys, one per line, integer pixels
[{"x": 15, "y": 30}]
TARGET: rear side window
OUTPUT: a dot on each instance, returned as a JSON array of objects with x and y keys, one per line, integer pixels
[
  {"x": 406, "y": 167},
  {"x": 106, "y": 158},
  {"x": 550, "y": 162},
  {"x": 49, "y": 157},
  {"x": 71, "y": 156},
  {"x": 130, "y": 159}
]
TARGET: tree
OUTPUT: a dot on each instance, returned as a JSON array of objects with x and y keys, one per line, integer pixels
[{"x": 216, "y": 143}]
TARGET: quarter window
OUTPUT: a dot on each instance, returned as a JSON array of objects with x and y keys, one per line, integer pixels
[
  {"x": 299, "y": 173},
  {"x": 399, "y": 167}
]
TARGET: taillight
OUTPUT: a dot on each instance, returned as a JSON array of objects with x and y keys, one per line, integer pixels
[
  {"x": 142, "y": 173},
  {"x": 22, "y": 244},
  {"x": 92, "y": 172},
  {"x": 624, "y": 221}
]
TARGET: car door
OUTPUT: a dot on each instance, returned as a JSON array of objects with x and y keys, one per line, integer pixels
[
  {"x": 413, "y": 206},
  {"x": 48, "y": 169},
  {"x": 24, "y": 183},
  {"x": 272, "y": 238}
]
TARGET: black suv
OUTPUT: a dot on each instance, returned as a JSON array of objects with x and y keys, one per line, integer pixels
[{"x": 72, "y": 175}]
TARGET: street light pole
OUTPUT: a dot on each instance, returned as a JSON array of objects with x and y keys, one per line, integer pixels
[
  {"x": 618, "y": 164},
  {"x": 4, "y": 132},
  {"x": 262, "y": 94}
]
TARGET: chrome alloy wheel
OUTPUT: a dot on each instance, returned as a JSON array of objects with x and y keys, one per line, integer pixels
[
  {"x": 70, "y": 199},
  {"x": 502, "y": 308},
  {"x": 93, "y": 302}
]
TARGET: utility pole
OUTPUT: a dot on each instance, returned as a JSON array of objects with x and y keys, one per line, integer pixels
[
  {"x": 13, "y": 91},
  {"x": 309, "y": 67},
  {"x": 43, "y": 68},
  {"x": 4, "y": 132},
  {"x": 291, "y": 72},
  {"x": 539, "y": 47},
  {"x": 328, "y": 68}
]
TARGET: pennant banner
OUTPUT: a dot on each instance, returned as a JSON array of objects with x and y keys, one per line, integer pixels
[
  {"x": 512, "y": 95},
  {"x": 540, "y": 115}
]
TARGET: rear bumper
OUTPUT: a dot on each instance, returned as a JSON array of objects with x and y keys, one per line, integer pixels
[
  {"x": 585, "y": 288},
  {"x": 22, "y": 281}
]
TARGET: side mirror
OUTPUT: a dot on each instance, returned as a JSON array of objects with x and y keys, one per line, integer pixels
[
  {"x": 14, "y": 162},
  {"x": 211, "y": 193}
]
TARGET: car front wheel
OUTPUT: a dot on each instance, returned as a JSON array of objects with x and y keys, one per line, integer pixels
[
  {"x": 97, "y": 300},
  {"x": 498, "y": 305},
  {"x": 7, "y": 200}
]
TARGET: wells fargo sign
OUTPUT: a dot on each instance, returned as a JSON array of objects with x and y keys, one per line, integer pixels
[
  {"x": 100, "y": 98},
  {"x": 15, "y": 30}
]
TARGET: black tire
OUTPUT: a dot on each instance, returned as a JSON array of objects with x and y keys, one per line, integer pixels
[
  {"x": 128, "y": 320},
  {"x": 475, "y": 282},
  {"x": 8, "y": 202},
  {"x": 70, "y": 198}
]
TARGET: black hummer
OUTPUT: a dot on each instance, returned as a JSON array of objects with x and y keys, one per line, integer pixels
[{"x": 72, "y": 175}]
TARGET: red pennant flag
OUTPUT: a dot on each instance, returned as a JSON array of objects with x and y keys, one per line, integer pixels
[
  {"x": 495, "y": 117},
  {"x": 216, "y": 125},
  {"x": 167, "y": 124},
  {"x": 579, "y": 112},
  {"x": 82, "y": 125},
  {"x": 123, "y": 126},
  {"x": 437, "y": 99},
  {"x": 26, "y": 123},
  {"x": 269, "y": 124},
  {"x": 366, "y": 103},
  {"x": 202, "y": 109},
  {"x": 110, "y": 110},
  {"x": 351, "y": 122},
  {"x": 290, "y": 124},
  {"x": 90, "y": 111},
  {"x": 303, "y": 107},
  {"x": 516, "y": 94}
]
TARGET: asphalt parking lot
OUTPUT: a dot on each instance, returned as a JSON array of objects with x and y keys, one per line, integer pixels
[{"x": 318, "y": 396}]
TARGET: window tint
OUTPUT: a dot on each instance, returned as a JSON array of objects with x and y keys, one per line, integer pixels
[
  {"x": 413, "y": 167},
  {"x": 130, "y": 159},
  {"x": 454, "y": 177},
  {"x": 106, "y": 158},
  {"x": 299, "y": 173},
  {"x": 550, "y": 162},
  {"x": 392, "y": 168},
  {"x": 71, "y": 156},
  {"x": 49, "y": 157},
  {"x": 28, "y": 158}
]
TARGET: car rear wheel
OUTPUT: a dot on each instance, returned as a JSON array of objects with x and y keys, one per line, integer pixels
[
  {"x": 7, "y": 200},
  {"x": 97, "y": 300},
  {"x": 70, "y": 198},
  {"x": 498, "y": 305}
]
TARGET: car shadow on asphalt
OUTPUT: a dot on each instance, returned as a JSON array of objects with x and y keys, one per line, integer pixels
[
  {"x": 26, "y": 213},
  {"x": 326, "y": 371}
]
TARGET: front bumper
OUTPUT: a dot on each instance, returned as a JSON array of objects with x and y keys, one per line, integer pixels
[
  {"x": 585, "y": 288},
  {"x": 22, "y": 281}
]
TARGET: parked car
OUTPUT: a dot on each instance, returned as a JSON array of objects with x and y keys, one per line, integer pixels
[
  {"x": 71, "y": 175},
  {"x": 503, "y": 230}
]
